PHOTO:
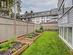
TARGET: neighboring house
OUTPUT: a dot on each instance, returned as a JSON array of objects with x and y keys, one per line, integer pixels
[
  {"x": 8, "y": 7},
  {"x": 42, "y": 17},
  {"x": 18, "y": 8},
  {"x": 45, "y": 16},
  {"x": 46, "y": 19},
  {"x": 65, "y": 21},
  {"x": 4, "y": 7}
]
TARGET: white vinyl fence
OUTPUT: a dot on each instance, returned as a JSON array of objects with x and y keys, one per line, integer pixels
[{"x": 10, "y": 28}]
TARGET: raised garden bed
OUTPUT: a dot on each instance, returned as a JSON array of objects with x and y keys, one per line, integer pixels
[
  {"x": 19, "y": 51},
  {"x": 27, "y": 40},
  {"x": 32, "y": 35},
  {"x": 9, "y": 47}
]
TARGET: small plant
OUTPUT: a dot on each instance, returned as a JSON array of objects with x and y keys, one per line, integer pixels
[
  {"x": 5, "y": 46},
  {"x": 13, "y": 50},
  {"x": 3, "y": 49},
  {"x": 31, "y": 35},
  {"x": 40, "y": 30}
]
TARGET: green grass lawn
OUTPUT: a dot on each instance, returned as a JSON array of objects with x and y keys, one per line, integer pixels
[{"x": 48, "y": 44}]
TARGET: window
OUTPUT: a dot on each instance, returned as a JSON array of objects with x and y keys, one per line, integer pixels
[
  {"x": 65, "y": 33},
  {"x": 62, "y": 32},
  {"x": 3, "y": 4},
  {"x": 72, "y": 2},
  {"x": 70, "y": 35}
]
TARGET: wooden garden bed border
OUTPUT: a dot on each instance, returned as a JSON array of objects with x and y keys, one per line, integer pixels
[
  {"x": 3, "y": 41},
  {"x": 24, "y": 47}
]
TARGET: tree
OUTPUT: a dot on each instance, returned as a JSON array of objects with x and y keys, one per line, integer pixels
[
  {"x": 7, "y": 4},
  {"x": 26, "y": 12},
  {"x": 31, "y": 11},
  {"x": 0, "y": 3}
]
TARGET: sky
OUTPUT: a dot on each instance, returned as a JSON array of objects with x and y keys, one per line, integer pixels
[{"x": 37, "y": 5}]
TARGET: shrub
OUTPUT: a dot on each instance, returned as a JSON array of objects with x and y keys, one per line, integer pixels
[
  {"x": 3, "y": 49},
  {"x": 31, "y": 35},
  {"x": 38, "y": 31},
  {"x": 13, "y": 50},
  {"x": 41, "y": 28},
  {"x": 5, "y": 46}
]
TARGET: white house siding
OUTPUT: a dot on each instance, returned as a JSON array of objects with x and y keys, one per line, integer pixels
[
  {"x": 65, "y": 22},
  {"x": 71, "y": 16},
  {"x": 67, "y": 19},
  {"x": 68, "y": 3}
]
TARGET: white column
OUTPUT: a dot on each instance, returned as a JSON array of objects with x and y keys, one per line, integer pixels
[
  {"x": 15, "y": 20},
  {"x": 60, "y": 31},
  {"x": 45, "y": 19},
  {"x": 63, "y": 32},
  {"x": 67, "y": 35},
  {"x": 35, "y": 20},
  {"x": 40, "y": 19}
]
